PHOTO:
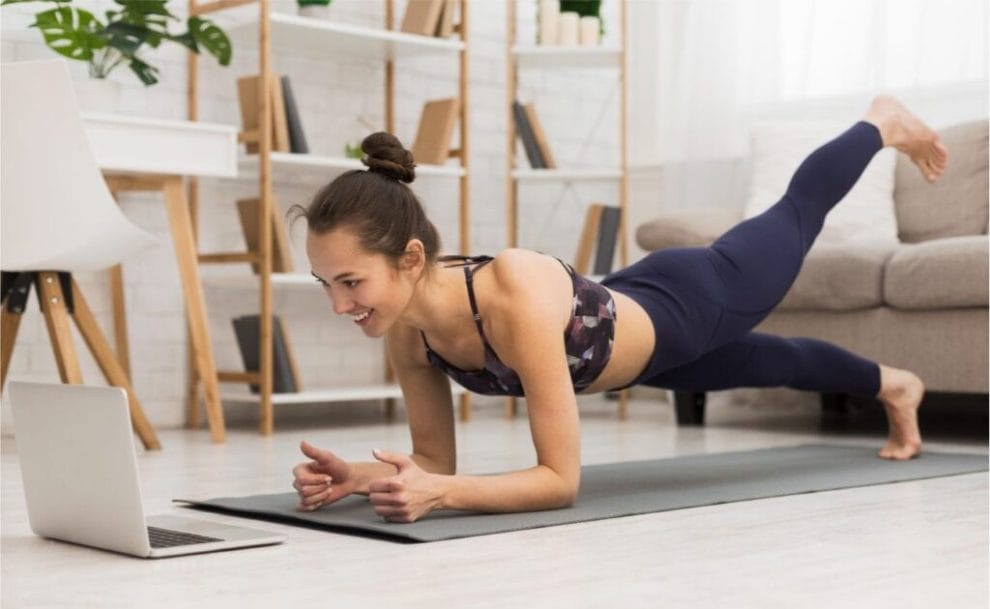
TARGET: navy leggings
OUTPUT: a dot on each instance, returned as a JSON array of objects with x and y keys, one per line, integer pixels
[{"x": 705, "y": 301}]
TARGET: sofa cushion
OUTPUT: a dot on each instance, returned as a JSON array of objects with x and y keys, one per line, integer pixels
[
  {"x": 837, "y": 277},
  {"x": 867, "y": 211},
  {"x": 954, "y": 205},
  {"x": 944, "y": 273}
]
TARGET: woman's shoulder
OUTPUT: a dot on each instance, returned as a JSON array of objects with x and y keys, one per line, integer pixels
[{"x": 522, "y": 275}]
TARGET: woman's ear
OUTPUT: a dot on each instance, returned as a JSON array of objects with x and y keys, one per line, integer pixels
[{"x": 414, "y": 258}]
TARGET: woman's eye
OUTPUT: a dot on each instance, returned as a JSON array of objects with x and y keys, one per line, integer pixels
[{"x": 352, "y": 283}]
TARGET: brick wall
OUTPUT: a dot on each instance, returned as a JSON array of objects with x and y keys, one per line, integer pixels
[{"x": 578, "y": 109}]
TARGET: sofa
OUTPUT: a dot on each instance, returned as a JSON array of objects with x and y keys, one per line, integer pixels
[{"x": 919, "y": 301}]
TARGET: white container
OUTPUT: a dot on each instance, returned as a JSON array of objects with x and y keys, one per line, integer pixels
[
  {"x": 590, "y": 31},
  {"x": 567, "y": 29},
  {"x": 97, "y": 94},
  {"x": 549, "y": 15}
]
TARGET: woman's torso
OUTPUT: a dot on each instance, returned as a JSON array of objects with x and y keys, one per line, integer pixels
[{"x": 632, "y": 337}]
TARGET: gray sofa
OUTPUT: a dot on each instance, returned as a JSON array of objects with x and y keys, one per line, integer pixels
[{"x": 920, "y": 304}]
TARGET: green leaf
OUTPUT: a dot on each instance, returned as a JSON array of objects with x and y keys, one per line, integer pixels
[
  {"x": 6, "y": 2},
  {"x": 212, "y": 38},
  {"x": 70, "y": 32},
  {"x": 148, "y": 74},
  {"x": 126, "y": 37},
  {"x": 187, "y": 40}
]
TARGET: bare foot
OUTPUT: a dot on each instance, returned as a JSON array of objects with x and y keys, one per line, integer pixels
[
  {"x": 903, "y": 130},
  {"x": 901, "y": 392}
]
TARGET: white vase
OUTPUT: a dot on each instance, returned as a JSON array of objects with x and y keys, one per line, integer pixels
[
  {"x": 97, "y": 94},
  {"x": 315, "y": 11}
]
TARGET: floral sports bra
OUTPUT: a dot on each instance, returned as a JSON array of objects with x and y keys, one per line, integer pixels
[{"x": 587, "y": 338}]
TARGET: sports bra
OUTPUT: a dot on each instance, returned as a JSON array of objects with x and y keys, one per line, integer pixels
[{"x": 588, "y": 337}]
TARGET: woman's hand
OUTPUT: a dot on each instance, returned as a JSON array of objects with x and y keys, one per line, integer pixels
[
  {"x": 322, "y": 481},
  {"x": 408, "y": 495}
]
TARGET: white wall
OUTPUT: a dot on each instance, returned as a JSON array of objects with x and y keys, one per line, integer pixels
[{"x": 578, "y": 111}]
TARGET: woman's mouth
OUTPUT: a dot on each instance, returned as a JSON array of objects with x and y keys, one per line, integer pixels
[{"x": 361, "y": 319}]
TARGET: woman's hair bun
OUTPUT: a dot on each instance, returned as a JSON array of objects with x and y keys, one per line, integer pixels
[{"x": 384, "y": 154}]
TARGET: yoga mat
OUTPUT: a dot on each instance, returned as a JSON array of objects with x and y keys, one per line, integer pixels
[{"x": 624, "y": 489}]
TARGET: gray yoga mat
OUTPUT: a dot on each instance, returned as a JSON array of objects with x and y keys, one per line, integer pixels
[{"x": 625, "y": 489}]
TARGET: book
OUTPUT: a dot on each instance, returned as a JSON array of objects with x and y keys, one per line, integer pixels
[
  {"x": 436, "y": 125},
  {"x": 525, "y": 133},
  {"x": 589, "y": 232},
  {"x": 280, "y": 126},
  {"x": 539, "y": 136},
  {"x": 422, "y": 16},
  {"x": 247, "y": 209},
  {"x": 247, "y": 96},
  {"x": 297, "y": 137},
  {"x": 445, "y": 25},
  {"x": 285, "y": 378},
  {"x": 608, "y": 234}
]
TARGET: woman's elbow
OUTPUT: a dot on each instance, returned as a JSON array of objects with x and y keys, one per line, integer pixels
[{"x": 568, "y": 494}]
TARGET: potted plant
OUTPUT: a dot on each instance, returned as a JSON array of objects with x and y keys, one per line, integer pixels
[{"x": 77, "y": 34}]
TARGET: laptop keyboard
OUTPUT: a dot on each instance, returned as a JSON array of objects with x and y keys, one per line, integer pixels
[{"x": 167, "y": 538}]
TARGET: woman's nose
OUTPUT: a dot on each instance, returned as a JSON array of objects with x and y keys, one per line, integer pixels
[{"x": 340, "y": 305}]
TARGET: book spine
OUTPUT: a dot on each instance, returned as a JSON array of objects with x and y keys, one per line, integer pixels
[
  {"x": 526, "y": 135},
  {"x": 608, "y": 232},
  {"x": 297, "y": 136}
]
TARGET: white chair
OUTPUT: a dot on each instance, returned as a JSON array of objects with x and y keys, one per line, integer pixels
[{"x": 57, "y": 217}]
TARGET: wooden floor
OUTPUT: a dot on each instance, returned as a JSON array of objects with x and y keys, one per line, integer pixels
[{"x": 915, "y": 544}]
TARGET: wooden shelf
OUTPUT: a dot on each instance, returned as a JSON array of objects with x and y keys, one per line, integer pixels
[
  {"x": 566, "y": 175},
  {"x": 288, "y": 166},
  {"x": 250, "y": 281},
  {"x": 359, "y": 393},
  {"x": 316, "y": 37},
  {"x": 567, "y": 57}
]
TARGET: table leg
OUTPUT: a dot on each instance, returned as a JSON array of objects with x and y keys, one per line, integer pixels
[{"x": 192, "y": 289}]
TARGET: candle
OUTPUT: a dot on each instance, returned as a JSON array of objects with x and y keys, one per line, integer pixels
[
  {"x": 590, "y": 28},
  {"x": 549, "y": 14},
  {"x": 567, "y": 29}
]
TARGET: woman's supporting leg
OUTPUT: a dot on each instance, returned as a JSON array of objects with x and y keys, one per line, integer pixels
[{"x": 763, "y": 360}]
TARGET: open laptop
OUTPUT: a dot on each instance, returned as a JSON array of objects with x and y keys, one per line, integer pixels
[{"x": 80, "y": 473}]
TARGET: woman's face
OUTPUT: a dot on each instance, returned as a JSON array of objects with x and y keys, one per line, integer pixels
[{"x": 362, "y": 285}]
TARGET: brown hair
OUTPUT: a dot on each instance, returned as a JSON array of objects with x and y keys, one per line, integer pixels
[{"x": 376, "y": 203}]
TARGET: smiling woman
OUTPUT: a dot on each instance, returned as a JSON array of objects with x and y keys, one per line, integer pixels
[{"x": 522, "y": 323}]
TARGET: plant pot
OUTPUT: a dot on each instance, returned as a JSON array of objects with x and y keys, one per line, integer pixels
[
  {"x": 97, "y": 94},
  {"x": 315, "y": 11}
]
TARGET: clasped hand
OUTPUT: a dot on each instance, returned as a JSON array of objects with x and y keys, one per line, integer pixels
[{"x": 406, "y": 496}]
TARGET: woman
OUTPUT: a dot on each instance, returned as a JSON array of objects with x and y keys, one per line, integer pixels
[{"x": 524, "y": 322}]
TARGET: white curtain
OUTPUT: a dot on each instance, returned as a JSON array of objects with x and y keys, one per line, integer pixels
[{"x": 702, "y": 70}]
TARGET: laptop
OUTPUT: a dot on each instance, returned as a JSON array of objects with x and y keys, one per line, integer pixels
[{"x": 80, "y": 474}]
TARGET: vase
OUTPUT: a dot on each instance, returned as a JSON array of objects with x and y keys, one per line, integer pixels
[{"x": 97, "y": 94}]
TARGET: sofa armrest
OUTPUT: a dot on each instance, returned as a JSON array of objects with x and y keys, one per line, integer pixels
[{"x": 687, "y": 228}]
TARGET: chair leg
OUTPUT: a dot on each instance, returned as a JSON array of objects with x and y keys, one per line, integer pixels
[
  {"x": 9, "y": 324},
  {"x": 120, "y": 319},
  {"x": 112, "y": 370},
  {"x": 57, "y": 319}
]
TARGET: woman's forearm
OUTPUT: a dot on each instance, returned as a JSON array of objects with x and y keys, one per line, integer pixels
[
  {"x": 366, "y": 471},
  {"x": 536, "y": 488}
]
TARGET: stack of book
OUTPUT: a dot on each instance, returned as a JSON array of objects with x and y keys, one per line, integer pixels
[
  {"x": 287, "y": 129},
  {"x": 430, "y": 18}
]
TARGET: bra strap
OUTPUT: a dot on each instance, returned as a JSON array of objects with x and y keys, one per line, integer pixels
[{"x": 469, "y": 278}]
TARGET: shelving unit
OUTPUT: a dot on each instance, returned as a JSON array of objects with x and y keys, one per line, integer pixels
[
  {"x": 520, "y": 57},
  {"x": 254, "y": 21}
]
